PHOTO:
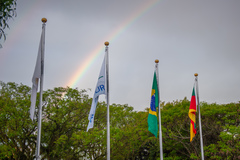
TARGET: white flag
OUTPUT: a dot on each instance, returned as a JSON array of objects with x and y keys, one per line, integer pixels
[
  {"x": 100, "y": 89},
  {"x": 37, "y": 74}
]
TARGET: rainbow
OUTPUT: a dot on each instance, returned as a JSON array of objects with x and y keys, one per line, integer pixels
[{"x": 139, "y": 12}]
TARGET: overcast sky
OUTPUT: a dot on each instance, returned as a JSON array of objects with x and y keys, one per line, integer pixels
[{"x": 187, "y": 36}]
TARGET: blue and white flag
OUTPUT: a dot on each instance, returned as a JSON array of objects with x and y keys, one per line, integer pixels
[{"x": 100, "y": 89}]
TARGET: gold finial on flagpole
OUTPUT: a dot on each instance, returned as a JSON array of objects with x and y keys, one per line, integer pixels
[
  {"x": 156, "y": 61},
  {"x": 195, "y": 74},
  {"x": 44, "y": 20},
  {"x": 106, "y": 43}
]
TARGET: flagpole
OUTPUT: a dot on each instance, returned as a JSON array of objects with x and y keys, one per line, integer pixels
[
  {"x": 38, "y": 157},
  {"x": 107, "y": 97},
  {"x": 199, "y": 116},
  {"x": 159, "y": 113}
]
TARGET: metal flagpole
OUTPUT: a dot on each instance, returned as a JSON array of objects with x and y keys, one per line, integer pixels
[
  {"x": 38, "y": 157},
  {"x": 159, "y": 113},
  {"x": 107, "y": 97},
  {"x": 199, "y": 116}
]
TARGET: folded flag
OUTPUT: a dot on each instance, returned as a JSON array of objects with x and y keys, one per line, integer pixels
[
  {"x": 100, "y": 89},
  {"x": 152, "y": 116},
  {"x": 192, "y": 116},
  {"x": 37, "y": 73}
]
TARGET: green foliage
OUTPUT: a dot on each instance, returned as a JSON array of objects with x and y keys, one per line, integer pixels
[
  {"x": 65, "y": 112},
  {"x": 8, "y": 11},
  {"x": 16, "y": 129},
  {"x": 216, "y": 120},
  {"x": 228, "y": 144},
  {"x": 65, "y": 119}
]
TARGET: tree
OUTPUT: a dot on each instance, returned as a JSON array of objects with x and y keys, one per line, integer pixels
[
  {"x": 227, "y": 145},
  {"x": 17, "y": 138},
  {"x": 65, "y": 119},
  {"x": 8, "y": 11},
  {"x": 218, "y": 123},
  {"x": 65, "y": 111}
]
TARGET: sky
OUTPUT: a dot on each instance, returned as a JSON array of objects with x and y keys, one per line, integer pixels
[{"x": 186, "y": 36}]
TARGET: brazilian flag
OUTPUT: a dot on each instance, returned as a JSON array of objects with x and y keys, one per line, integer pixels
[{"x": 152, "y": 116}]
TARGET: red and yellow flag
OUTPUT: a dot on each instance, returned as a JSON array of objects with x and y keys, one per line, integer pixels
[{"x": 192, "y": 116}]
